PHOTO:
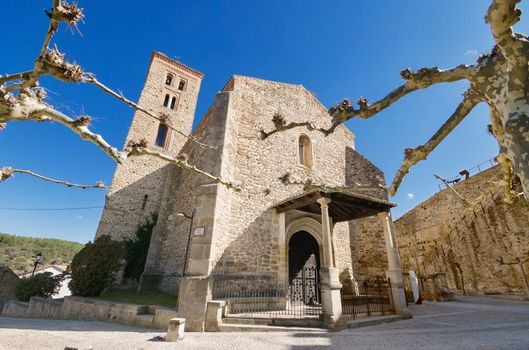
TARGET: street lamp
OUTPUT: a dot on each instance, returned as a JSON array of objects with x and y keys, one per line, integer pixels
[
  {"x": 189, "y": 217},
  {"x": 38, "y": 260}
]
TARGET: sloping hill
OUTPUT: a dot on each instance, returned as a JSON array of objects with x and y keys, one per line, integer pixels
[{"x": 19, "y": 252}]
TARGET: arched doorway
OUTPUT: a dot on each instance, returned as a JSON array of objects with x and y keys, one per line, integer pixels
[{"x": 303, "y": 268}]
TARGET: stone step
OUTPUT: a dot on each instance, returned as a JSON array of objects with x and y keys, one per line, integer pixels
[
  {"x": 279, "y": 322},
  {"x": 144, "y": 320},
  {"x": 373, "y": 320},
  {"x": 233, "y": 327}
]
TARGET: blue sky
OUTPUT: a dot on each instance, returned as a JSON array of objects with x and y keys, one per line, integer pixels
[{"x": 336, "y": 49}]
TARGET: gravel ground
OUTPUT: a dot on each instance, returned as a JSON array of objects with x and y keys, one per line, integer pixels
[{"x": 469, "y": 323}]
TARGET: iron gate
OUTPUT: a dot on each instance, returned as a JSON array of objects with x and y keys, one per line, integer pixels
[{"x": 305, "y": 287}]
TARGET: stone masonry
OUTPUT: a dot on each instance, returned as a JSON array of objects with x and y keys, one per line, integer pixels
[
  {"x": 440, "y": 235},
  {"x": 206, "y": 230},
  {"x": 138, "y": 184},
  {"x": 240, "y": 227}
]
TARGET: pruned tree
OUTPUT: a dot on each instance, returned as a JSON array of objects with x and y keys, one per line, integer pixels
[
  {"x": 499, "y": 78},
  {"x": 23, "y": 99}
]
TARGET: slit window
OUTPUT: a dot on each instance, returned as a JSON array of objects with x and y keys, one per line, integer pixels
[
  {"x": 161, "y": 136},
  {"x": 169, "y": 79},
  {"x": 305, "y": 151},
  {"x": 144, "y": 204},
  {"x": 173, "y": 102}
]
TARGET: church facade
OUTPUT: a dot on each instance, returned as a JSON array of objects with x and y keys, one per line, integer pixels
[{"x": 290, "y": 206}]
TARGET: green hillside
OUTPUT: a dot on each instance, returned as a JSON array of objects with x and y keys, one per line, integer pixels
[{"x": 19, "y": 252}]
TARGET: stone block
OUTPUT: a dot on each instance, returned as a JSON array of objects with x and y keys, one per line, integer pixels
[
  {"x": 214, "y": 314},
  {"x": 175, "y": 330},
  {"x": 193, "y": 296}
]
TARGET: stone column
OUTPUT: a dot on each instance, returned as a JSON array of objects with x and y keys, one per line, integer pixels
[
  {"x": 330, "y": 282},
  {"x": 394, "y": 273},
  {"x": 195, "y": 287}
]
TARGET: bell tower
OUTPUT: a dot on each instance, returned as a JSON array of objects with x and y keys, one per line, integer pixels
[{"x": 170, "y": 92}]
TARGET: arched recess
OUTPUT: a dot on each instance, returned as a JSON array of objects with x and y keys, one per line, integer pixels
[
  {"x": 306, "y": 224},
  {"x": 305, "y": 151}
]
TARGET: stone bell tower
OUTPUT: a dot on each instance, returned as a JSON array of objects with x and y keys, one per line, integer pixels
[{"x": 170, "y": 92}]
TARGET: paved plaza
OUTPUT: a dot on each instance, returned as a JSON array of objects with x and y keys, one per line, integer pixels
[{"x": 468, "y": 323}]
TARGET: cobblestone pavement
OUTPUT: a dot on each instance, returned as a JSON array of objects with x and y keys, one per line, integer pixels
[{"x": 469, "y": 323}]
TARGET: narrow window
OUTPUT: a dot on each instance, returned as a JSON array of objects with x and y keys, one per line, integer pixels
[
  {"x": 144, "y": 204},
  {"x": 182, "y": 85},
  {"x": 305, "y": 151},
  {"x": 169, "y": 79},
  {"x": 166, "y": 100},
  {"x": 162, "y": 135},
  {"x": 173, "y": 102}
]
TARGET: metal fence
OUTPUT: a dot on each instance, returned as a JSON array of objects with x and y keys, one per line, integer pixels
[
  {"x": 262, "y": 298},
  {"x": 367, "y": 298}
]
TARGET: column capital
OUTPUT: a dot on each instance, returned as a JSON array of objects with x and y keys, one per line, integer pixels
[
  {"x": 384, "y": 215},
  {"x": 323, "y": 201}
]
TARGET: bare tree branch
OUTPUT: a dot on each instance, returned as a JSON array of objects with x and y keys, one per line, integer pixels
[
  {"x": 501, "y": 16},
  {"x": 61, "y": 11},
  {"x": 8, "y": 172},
  {"x": 413, "y": 156},
  {"x": 308, "y": 185},
  {"x": 141, "y": 149},
  {"x": 28, "y": 103},
  {"x": 471, "y": 205},
  {"x": 344, "y": 111},
  {"x": 92, "y": 80},
  {"x": 30, "y": 108},
  {"x": 17, "y": 76}
]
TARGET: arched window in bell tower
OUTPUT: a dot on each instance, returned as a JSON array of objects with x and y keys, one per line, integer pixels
[
  {"x": 166, "y": 100},
  {"x": 169, "y": 79},
  {"x": 173, "y": 102}
]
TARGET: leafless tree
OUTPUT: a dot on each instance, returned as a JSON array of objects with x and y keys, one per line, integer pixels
[
  {"x": 22, "y": 99},
  {"x": 499, "y": 78}
]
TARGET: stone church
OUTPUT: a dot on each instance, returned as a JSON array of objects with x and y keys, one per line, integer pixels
[{"x": 266, "y": 229}]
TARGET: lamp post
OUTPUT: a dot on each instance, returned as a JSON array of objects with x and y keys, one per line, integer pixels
[
  {"x": 189, "y": 217},
  {"x": 38, "y": 260}
]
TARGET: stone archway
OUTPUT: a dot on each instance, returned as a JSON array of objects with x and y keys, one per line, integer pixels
[{"x": 303, "y": 268}]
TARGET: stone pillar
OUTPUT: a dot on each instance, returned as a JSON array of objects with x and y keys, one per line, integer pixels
[
  {"x": 195, "y": 287},
  {"x": 193, "y": 297},
  {"x": 330, "y": 282},
  {"x": 175, "y": 330},
  {"x": 394, "y": 273}
]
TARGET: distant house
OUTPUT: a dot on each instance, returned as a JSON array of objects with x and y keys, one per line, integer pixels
[
  {"x": 55, "y": 270},
  {"x": 8, "y": 282}
]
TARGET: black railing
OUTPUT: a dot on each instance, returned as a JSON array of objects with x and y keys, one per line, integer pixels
[
  {"x": 249, "y": 297},
  {"x": 263, "y": 298},
  {"x": 367, "y": 298}
]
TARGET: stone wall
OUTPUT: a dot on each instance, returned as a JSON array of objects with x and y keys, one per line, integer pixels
[
  {"x": 367, "y": 245},
  {"x": 138, "y": 184},
  {"x": 242, "y": 229},
  {"x": 187, "y": 192},
  {"x": 440, "y": 235},
  {"x": 89, "y": 309},
  {"x": 8, "y": 282}
]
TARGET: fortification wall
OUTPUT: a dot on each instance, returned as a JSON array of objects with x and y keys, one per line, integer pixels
[{"x": 440, "y": 235}]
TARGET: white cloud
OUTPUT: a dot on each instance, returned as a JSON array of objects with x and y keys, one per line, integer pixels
[
  {"x": 471, "y": 52},
  {"x": 80, "y": 217},
  {"x": 410, "y": 195}
]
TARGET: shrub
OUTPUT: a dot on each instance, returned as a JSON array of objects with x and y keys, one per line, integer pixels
[
  {"x": 136, "y": 250},
  {"x": 95, "y": 267},
  {"x": 40, "y": 285}
]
